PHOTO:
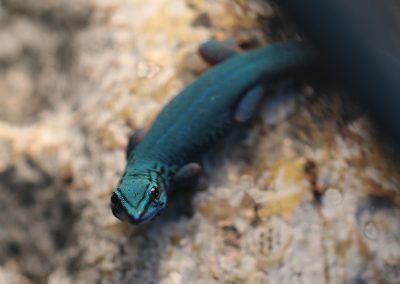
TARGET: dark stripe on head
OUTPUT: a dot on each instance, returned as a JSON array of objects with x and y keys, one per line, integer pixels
[
  {"x": 158, "y": 178},
  {"x": 146, "y": 207},
  {"x": 137, "y": 175},
  {"x": 124, "y": 198},
  {"x": 147, "y": 187},
  {"x": 141, "y": 199},
  {"x": 149, "y": 176},
  {"x": 161, "y": 179}
]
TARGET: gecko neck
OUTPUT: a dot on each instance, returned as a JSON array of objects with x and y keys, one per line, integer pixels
[{"x": 154, "y": 169}]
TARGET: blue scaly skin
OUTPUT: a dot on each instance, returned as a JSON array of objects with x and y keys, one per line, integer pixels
[{"x": 193, "y": 120}]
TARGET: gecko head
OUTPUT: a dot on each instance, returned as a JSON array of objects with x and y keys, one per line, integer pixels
[{"x": 138, "y": 200}]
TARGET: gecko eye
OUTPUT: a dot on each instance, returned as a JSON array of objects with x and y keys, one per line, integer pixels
[{"x": 155, "y": 193}]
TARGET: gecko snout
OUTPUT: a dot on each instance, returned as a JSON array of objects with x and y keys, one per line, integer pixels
[{"x": 120, "y": 211}]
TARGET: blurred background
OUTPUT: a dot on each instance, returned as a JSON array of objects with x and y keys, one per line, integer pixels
[{"x": 309, "y": 193}]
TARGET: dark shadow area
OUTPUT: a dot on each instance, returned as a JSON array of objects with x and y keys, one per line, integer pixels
[{"x": 37, "y": 221}]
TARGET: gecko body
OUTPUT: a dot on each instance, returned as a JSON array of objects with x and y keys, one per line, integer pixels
[{"x": 193, "y": 120}]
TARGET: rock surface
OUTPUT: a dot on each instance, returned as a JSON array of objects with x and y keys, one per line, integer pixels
[{"x": 304, "y": 195}]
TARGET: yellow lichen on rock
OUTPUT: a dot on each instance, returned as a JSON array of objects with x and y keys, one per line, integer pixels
[{"x": 275, "y": 204}]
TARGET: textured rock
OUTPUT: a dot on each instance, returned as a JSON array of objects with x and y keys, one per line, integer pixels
[{"x": 302, "y": 196}]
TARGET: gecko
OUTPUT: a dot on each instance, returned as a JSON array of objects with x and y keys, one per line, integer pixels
[{"x": 195, "y": 119}]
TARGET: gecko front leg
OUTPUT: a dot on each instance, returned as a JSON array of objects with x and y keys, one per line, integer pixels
[{"x": 187, "y": 176}]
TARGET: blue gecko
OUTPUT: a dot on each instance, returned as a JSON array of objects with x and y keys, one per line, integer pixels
[{"x": 194, "y": 119}]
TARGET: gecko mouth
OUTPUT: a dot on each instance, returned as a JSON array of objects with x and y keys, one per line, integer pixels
[{"x": 120, "y": 211}]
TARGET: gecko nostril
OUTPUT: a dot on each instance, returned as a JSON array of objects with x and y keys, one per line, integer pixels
[
  {"x": 115, "y": 205},
  {"x": 114, "y": 200}
]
